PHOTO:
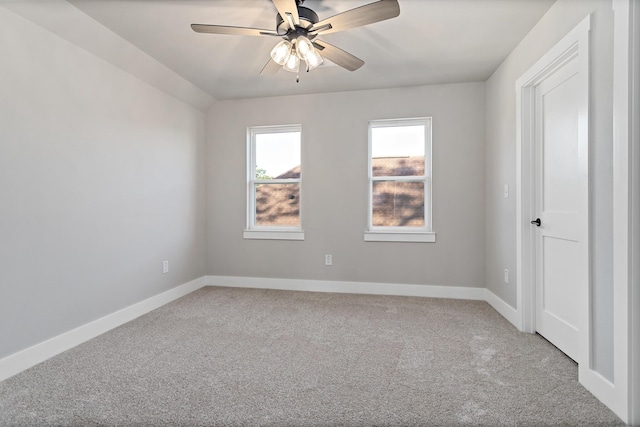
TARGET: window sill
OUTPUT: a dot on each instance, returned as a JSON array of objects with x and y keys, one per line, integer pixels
[
  {"x": 400, "y": 236},
  {"x": 274, "y": 235}
]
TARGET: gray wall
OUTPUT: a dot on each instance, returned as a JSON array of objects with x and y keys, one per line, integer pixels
[
  {"x": 334, "y": 198},
  {"x": 101, "y": 178},
  {"x": 500, "y": 158}
]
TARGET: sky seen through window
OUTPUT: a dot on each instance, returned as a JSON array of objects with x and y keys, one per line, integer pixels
[{"x": 278, "y": 153}]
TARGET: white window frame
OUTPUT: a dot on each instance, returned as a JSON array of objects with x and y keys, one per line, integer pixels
[
  {"x": 269, "y": 232},
  {"x": 423, "y": 234}
]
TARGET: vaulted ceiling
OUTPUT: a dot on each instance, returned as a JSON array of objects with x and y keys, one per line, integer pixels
[{"x": 431, "y": 42}]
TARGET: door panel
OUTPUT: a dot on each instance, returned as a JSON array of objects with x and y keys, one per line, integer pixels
[
  {"x": 559, "y": 282},
  {"x": 559, "y": 269},
  {"x": 560, "y": 146}
]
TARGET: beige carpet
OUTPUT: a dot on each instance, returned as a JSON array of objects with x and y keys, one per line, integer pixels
[{"x": 242, "y": 357}]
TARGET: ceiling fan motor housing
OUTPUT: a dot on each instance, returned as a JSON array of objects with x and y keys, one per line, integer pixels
[{"x": 307, "y": 18}]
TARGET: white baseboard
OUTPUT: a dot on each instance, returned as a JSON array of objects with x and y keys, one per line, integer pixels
[
  {"x": 508, "y": 312},
  {"x": 431, "y": 291},
  {"x": 25, "y": 359},
  {"x": 22, "y": 360}
]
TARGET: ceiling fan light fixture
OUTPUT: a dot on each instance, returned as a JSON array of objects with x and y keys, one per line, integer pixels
[
  {"x": 292, "y": 64},
  {"x": 281, "y": 52}
]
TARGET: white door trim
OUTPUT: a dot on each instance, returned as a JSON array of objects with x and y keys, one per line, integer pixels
[
  {"x": 633, "y": 286},
  {"x": 621, "y": 229},
  {"x": 573, "y": 47},
  {"x": 625, "y": 390}
]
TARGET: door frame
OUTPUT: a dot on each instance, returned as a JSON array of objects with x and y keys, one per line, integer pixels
[
  {"x": 573, "y": 47},
  {"x": 631, "y": 287},
  {"x": 624, "y": 393}
]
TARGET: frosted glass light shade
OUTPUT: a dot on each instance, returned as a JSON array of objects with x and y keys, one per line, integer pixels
[
  {"x": 281, "y": 52},
  {"x": 292, "y": 64},
  {"x": 304, "y": 47},
  {"x": 313, "y": 60}
]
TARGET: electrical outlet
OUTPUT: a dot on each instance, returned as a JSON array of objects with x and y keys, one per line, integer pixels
[
  {"x": 165, "y": 267},
  {"x": 328, "y": 259},
  {"x": 506, "y": 276},
  {"x": 506, "y": 191}
]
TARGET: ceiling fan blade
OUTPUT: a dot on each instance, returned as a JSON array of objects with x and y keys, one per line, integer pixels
[
  {"x": 338, "y": 56},
  {"x": 287, "y": 7},
  {"x": 364, "y": 15},
  {"x": 270, "y": 67},
  {"x": 239, "y": 31}
]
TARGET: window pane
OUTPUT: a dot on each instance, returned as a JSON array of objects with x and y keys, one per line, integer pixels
[
  {"x": 277, "y": 155},
  {"x": 398, "y": 166},
  {"x": 398, "y": 150},
  {"x": 278, "y": 204},
  {"x": 398, "y": 204}
]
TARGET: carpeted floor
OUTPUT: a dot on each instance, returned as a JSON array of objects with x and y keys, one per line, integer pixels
[{"x": 243, "y": 357}]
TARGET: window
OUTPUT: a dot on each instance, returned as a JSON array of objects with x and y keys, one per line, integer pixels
[
  {"x": 400, "y": 181},
  {"x": 274, "y": 182}
]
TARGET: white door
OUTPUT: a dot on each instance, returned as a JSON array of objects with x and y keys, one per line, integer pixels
[{"x": 561, "y": 263}]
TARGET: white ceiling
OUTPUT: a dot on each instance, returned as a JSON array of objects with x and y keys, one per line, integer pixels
[{"x": 431, "y": 42}]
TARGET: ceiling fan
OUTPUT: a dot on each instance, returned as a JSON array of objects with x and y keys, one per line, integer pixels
[{"x": 299, "y": 28}]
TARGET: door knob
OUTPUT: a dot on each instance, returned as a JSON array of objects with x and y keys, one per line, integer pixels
[{"x": 537, "y": 222}]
